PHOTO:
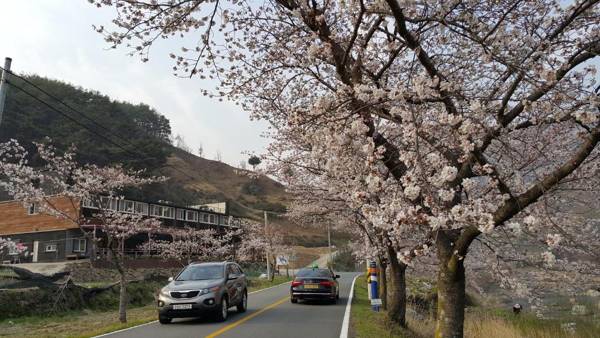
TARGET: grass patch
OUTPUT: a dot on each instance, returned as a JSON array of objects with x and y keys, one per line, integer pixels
[
  {"x": 364, "y": 322},
  {"x": 85, "y": 323}
]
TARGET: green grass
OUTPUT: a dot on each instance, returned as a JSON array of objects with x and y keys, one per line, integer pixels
[{"x": 365, "y": 323}]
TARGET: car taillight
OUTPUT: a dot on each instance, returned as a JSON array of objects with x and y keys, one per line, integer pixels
[
  {"x": 297, "y": 283},
  {"x": 327, "y": 283}
]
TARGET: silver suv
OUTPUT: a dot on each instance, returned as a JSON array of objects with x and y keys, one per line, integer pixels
[{"x": 203, "y": 288}]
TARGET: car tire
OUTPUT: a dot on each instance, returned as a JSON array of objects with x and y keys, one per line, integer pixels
[
  {"x": 164, "y": 320},
  {"x": 243, "y": 305},
  {"x": 294, "y": 300},
  {"x": 221, "y": 314}
]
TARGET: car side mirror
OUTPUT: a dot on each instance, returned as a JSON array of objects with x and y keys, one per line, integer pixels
[
  {"x": 170, "y": 279},
  {"x": 336, "y": 276}
]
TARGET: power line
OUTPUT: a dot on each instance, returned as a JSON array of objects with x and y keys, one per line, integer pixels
[
  {"x": 85, "y": 126},
  {"x": 72, "y": 119},
  {"x": 78, "y": 112},
  {"x": 105, "y": 128}
]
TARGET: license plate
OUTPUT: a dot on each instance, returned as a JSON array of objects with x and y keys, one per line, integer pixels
[
  {"x": 311, "y": 286},
  {"x": 182, "y": 306}
]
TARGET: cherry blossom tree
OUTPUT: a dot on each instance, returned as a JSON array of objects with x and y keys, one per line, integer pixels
[
  {"x": 8, "y": 244},
  {"x": 60, "y": 176},
  {"x": 261, "y": 243},
  {"x": 470, "y": 114},
  {"x": 189, "y": 244}
]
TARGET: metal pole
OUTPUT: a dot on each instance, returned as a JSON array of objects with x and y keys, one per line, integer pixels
[
  {"x": 4, "y": 85},
  {"x": 267, "y": 249},
  {"x": 329, "y": 246}
]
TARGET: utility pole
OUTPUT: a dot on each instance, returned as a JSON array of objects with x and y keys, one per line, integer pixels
[
  {"x": 4, "y": 85},
  {"x": 267, "y": 250},
  {"x": 329, "y": 245}
]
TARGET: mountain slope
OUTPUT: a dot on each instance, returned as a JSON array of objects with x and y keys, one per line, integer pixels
[{"x": 211, "y": 181}]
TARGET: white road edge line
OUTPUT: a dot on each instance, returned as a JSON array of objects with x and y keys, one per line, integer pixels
[
  {"x": 156, "y": 321},
  {"x": 346, "y": 322},
  {"x": 126, "y": 329}
]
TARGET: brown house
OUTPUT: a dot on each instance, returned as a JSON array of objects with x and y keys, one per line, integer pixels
[{"x": 47, "y": 238}]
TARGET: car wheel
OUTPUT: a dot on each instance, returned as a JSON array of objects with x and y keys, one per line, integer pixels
[
  {"x": 222, "y": 310},
  {"x": 164, "y": 320},
  {"x": 294, "y": 300},
  {"x": 243, "y": 305}
]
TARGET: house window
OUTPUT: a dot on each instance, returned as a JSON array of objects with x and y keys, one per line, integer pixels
[
  {"x": 51, "y": 247},
  {"x": 91, "y": 204},
  {"x": 33, "y": 209},
  {"x": 192, "y": 216},
  {"x": 108, "y": 203},
  {"x": 141, "y": 208},
  {"x": 126, "y": 206},
  {"x": 168, "y": 212},
  {"x": 205, "y": 218},
  {"x": 212, "y": 219},
  {"x": 79, "y": 245},
  {"x": 156, "y": 210},
  {"x": 181, "y": 214}
]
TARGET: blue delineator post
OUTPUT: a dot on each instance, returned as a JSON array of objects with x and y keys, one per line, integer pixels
[{"x": 375, "y": 301}]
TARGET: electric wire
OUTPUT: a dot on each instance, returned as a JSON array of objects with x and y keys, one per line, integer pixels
[
  {"x": 105, "y": 128},
  {"x": 78, "y": 112}
]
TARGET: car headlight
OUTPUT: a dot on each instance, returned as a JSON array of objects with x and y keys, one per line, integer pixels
[
  {"x": 164, "y": 293},
  {"x": 208, "y": 290}
]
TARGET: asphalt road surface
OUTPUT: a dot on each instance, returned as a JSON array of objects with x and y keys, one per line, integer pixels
[{"x": 270, "y": 315}]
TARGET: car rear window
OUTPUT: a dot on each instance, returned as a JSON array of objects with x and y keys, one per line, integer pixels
[
  {"x": 201, "y": 272},
  {"x": 314, "y": 273}
]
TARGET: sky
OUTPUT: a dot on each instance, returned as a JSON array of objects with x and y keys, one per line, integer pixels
[{"x": 55, "y": 39}]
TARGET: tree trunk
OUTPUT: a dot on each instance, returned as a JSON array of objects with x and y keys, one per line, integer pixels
[
  {"x": 123, "y": 300},
  {"x": 383, "y": 294},
  {"x": 119, "y": 262},
  {"x": 396, "y": 290},
  {"x": 451, "y": 289}
]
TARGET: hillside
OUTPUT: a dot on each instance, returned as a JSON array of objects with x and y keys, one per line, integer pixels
[
  {"x": 210, "y": 181},
  {"x": 205, "y": 180}
]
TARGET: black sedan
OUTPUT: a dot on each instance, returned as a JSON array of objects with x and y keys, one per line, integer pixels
[{"x": 314, "y": 283}]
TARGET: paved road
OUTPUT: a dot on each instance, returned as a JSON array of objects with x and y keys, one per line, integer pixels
[{"x": 270, "y": 315}]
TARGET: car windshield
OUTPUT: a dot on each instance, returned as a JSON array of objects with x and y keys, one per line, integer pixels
[
  {"x": 200, "y": 272},
  {"x": 314, "y": 273}
]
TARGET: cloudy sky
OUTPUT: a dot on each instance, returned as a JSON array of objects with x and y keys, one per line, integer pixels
[{"x": 54, "y": 38}]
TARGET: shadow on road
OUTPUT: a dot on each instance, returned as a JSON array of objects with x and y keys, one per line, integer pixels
[
  {"x": 341, "y": 301},
  {"x": 209, "y": 319}
]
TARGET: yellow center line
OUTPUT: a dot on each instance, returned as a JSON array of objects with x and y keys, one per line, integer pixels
[{"x": 247, "y": 318}]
